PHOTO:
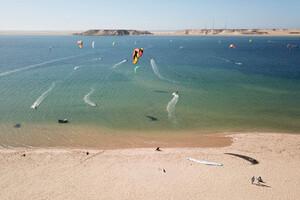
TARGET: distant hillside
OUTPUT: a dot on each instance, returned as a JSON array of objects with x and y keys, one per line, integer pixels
[
  {"x": 117, "y": 32},
  {"x": 232, "y": 32}
]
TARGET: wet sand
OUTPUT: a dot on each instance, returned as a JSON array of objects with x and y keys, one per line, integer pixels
[
  {"x": 82, "y": 136},
  {"x": 143, "y": 173}
]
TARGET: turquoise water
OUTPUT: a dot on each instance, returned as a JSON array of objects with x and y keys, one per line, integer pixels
[{"x": 255, "y": 87}]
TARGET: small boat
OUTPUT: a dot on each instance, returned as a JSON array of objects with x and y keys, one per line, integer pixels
[
  {"x": 63, "y": 121},
  {"x": 17, "y": 125}
]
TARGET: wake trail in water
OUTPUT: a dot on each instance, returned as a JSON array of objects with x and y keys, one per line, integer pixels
[
  {"x": 35, "y": 65},
  {"x": 172, "y": 105},
  {"x": 135, "y": 69},
  {"x": 224, "y": 59},
  {"x": 97, "y": 59},
  {"x": 229, "y": 61},
  {"x": 119, "y": 63},
  {"x": 156, "y": 71},
  {"x": 87, "y": 100},
  {"x": 41, "y": 98}
]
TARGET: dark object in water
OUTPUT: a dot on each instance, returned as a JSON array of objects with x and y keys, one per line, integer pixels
[
  {"x": 160, "y": 91},
  {"x": 63, "y": 121},
  {"x": 157, "y": 149},
  {"x": 17, "y": 125},
  {"x": 151, "y": 118},
  {"x": 251, "y": 160}
]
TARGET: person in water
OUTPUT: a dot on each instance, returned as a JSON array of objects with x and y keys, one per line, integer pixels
[{"x": 175, "y": 93}]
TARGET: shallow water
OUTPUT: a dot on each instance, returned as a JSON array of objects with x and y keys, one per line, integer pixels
[{"x": 255, "y": 87}]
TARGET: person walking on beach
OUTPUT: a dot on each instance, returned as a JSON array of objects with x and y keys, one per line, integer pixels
[{"x": 259, "y": 180}]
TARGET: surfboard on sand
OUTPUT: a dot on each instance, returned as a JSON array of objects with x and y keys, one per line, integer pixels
[{"x": 205, "y": 162}]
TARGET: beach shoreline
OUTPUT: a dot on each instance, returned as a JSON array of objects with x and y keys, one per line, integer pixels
[
  {"x": 95, "y": 137},
  {"x": 143, "y": 173},
  {"x": 79, "y": 136}
]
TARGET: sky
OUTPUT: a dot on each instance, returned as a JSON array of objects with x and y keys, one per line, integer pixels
[{"x": 147, "y": 14}]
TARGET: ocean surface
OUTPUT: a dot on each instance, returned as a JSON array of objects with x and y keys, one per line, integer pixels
[{"x": 254, "y": 87}]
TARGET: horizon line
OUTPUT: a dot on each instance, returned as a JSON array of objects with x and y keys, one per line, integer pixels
[{"x": 141, "y": 29}]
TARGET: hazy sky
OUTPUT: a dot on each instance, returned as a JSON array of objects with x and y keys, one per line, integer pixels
[{"x": 148, "y": 14}]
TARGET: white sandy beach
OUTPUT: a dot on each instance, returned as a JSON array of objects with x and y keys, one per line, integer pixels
[{"x": 138, "y": 173}]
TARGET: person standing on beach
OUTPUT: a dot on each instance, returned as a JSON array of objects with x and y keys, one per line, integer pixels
[{"x": 259, "y": 180}]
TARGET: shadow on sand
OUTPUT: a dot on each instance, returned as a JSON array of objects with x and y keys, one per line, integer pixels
[
  {"x": 251, "y": 160},
  {"x": 262, "y": 185}
]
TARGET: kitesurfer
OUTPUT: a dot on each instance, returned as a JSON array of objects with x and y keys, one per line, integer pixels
[{"x": 137, "y": 53}]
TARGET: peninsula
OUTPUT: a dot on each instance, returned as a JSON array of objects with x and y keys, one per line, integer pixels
[{"x": 112, "y": 32}]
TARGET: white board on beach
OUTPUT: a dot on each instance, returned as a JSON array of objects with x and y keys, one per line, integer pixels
[{"x": 205, "y": 162}]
